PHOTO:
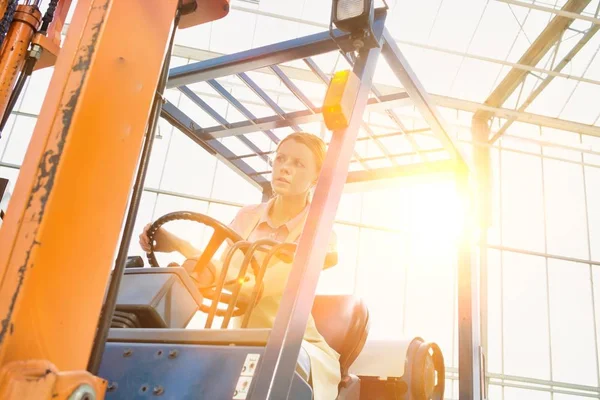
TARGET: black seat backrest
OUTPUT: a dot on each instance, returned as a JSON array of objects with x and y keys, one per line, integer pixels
[{"x": 343, "y": 320}]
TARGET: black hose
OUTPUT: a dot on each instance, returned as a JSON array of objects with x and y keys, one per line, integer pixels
[
  {"x": 7, "y": 19},
  {"x": 14, "y": 96},
  {"x": 117, "y": 274},
  {"x": 48, "y": 16}
]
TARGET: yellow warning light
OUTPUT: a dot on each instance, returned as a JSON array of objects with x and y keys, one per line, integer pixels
[{"x": 339, "y": 100}]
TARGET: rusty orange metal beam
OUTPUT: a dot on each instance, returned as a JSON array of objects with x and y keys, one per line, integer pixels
[
  {"x": 62, "y": 225},
  {"x": 14, "y": 50}
]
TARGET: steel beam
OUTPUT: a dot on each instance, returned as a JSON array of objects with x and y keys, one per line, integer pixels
[
  {"x": 400, "y": 171},
  {"x": 297, "y": 73},
  {"x": 538, "y": 49},
  {"x": 279, "y": 360},
  {"x": 562, "y": 13},
  {"x": 265, "y": 97},
  {"x": 265, "y": 56},
  {"x": 544, "y": 84},
  {"x": 422, "y": 100},
  {"x": 296, "y": 117},
  {"x": 400, "y": 100},
  {"x": 239, "y": 106},
  {"x": 469, "y": 346},
  {"x": 528, "y": 118},
  {"x": 217, "y": 117},
  {"x": 185, "y": 124}
]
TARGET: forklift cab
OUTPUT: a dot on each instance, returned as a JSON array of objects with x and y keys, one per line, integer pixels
[
  {"x": 156, "y": 304},
  {"x": 149, "y": 349}
]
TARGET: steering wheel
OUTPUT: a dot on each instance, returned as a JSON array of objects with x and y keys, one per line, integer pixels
[{"x": 221, "y": 233}]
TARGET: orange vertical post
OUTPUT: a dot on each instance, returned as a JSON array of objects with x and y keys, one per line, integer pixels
[
  {"x": 62, "y": 226},
  {"x": 15, "y": 48},
  {"x": 3, "y": 4}
]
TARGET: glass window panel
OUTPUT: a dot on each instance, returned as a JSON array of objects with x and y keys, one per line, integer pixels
[
  {"x": 455, "y": 346},
  {"x": 313, "y": 90},
  {"x": 578, "y": 107},
  {"x": 292, "y": 9},
  {"x": 349, "y": 208},
  {"x": 222, "y": 212},
  {"x": 555, "y": 96},
  {"x": 189, "y": 168},
  {"x": 565, "y": 209},
  {"x": 592, "y": 144},
  {"x": 230, "y": 186},
  {"x": 425, "y": 68},
  {"x": 559, "y": 137},
  {"x": 495, "y": 229},
  {"x": 486, "y": 74},
  {"x": 5, "y": 138},
  {"x": 494, "y": 312},
  {"x": 195, "y": 113},
  {"x": 11, "y": 174},
  {"x": 174, "y": 96},
  {"x": 592, "y": 182},
  {"x": 431, "y": 296},
  {"x": 596, "y": 303},
  {"x": 454, "y": 389},
  {"x": 36, "y": 91},
  {"x": 266, "y": 26},
  {"x": 494, "y": 392},
  {"x": 262, "y": 141},
  {"x": 340, "y": 278},
  {"x": 317, "y": 11},
  {"x": 512, "y": 142},
  {"x": 178, "y": 61},
  {"x": 258, "y": 164},
  {"x": 413, "y": 21},
  {"x": 572, "y": 316},
  {"x": 382, "y": 260},
  {"x": 221, "y": 32},
  {"x": 20, "y": 135},
  {"x": 197, "y": 37},
  {"x": 461, "y": 21},
  {"x": 159, "y": 153},
  {"x": 511, "y": 393},
  {"x": 526, "y": 342},
  {"x": 388, "y": 208},
  {"x": 562, "y": 396},
  {"x": 522, "y": 202}
]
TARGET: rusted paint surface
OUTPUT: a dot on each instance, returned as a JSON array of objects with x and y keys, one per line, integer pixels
[
  {"x": 40, "y": 379},
  {"x": 73, "y": 190},
  {"x": 46, "y": 171}
]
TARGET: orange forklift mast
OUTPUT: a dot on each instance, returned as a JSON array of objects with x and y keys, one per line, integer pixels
[{"x": 82, "y": 159}]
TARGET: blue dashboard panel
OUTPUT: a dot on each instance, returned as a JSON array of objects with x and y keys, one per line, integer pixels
[{"x": 172, "y": 371}]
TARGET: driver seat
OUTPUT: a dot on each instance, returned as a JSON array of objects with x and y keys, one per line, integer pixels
[{"x": 343, "y": 321}]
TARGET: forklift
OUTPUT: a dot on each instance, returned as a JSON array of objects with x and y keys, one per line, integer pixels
[{"x": 83, "y": 320}]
